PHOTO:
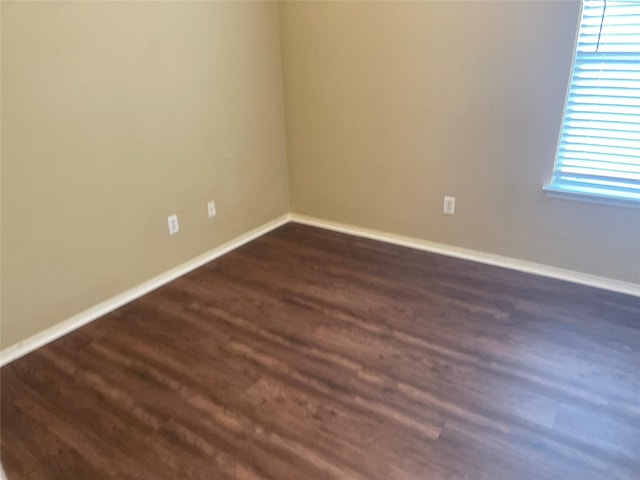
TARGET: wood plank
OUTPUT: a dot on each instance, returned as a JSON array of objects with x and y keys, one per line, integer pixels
[{"x": 310, "y": 354}]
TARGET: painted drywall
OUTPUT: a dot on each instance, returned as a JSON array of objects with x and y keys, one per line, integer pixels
[
  {"x": 1, "y": 189},
  {"x": 389, "y": 106},
  {"x": 116, "y": 115}
]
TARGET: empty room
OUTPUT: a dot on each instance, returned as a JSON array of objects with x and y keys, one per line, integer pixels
[{"x": 373, "y": 240}]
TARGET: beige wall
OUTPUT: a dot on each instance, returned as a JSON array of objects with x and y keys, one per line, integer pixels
[
  {"x": 116, "y": 115},
  {"x": 390, "y": 106}
]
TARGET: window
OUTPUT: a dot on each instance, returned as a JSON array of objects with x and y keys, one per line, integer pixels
[{"x": 599, "y": 148}]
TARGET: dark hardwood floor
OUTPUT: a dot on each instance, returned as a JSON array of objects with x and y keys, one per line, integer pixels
[{"x": 308, "y": 354}]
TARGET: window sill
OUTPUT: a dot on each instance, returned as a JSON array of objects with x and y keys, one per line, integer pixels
[{"x": 551, "y": 191}]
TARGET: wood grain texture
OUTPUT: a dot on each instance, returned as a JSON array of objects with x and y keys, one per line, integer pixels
[{"x": 310, "y": 354}]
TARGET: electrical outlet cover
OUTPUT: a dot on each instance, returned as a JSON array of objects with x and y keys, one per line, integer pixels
[
  {"x": 211, "y": 208},
  {"x": 449, "y": 207},
  {"x": 172, "y": 221}
]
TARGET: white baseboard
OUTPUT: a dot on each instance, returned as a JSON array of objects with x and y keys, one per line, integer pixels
[
  {"x": 58, "y": 330},
  {"x": 474, "y": 255}
]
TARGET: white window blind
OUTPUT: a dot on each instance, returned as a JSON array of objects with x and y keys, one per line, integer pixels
[{"x": 599, "y": 147}]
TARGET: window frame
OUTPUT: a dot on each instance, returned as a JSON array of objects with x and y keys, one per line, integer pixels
[{"x": 552, "y": 190}]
